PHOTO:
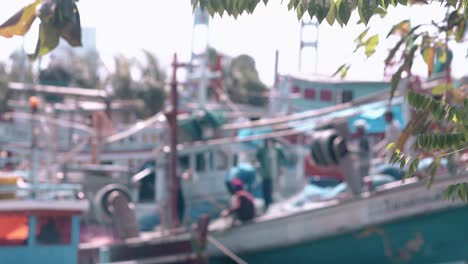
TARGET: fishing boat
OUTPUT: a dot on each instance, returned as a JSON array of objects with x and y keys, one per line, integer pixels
[
  {"x": 39, "y": 224},
  {"x": 40, "y": 220},
  {"x": 395, "y": 223},
  {"x": 392, "y": 221}
]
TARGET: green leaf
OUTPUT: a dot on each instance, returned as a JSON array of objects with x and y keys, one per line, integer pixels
[
  {"x": 194, "y": 4},
  {"x": 396, "y": 80},
  {"x": 394, "y": 157},
  {"x": 241, "y": 5},
  {"x": 49, "y": 37},
  {"x": 385, "y": 3},
  {"x": 211, "y": 7},
  {"x": 344, "y": 11},
  {"x": 413, "y": 167},
  {"x": 452, "y": 3},
  {"x": 449, "y": 191},
  {"x": 342, "y": 70},
  {"x": 331, "y": 13},
  {"x": 402, "y": 27},
  {"x": 71, "y": 29},
  {"x": 361, "y": 36},
  {"x": 453, "y": 19},
  {"x": 390, "y": 145},
  {"x": 300, "y": 11},
  {"x": 321, "y": 13},
  {"x": 292, "y": 4},
  {"x": 393, "y": 51},
  {"x": 414, "y": 2},
  {"x": 382, "y": 12},
  {"x": 253, "y": 4},
  {"x": 21, "y": 22},
  {"x": 312, "y": 9},
  {"x": 461, "y": 29},
  {"x": 371, "y": 45},
  {"x": 423, "y": 141},
  {"x": 366, "y": 9},
  {"x": 440, "y": 89},
  {"x": 462, "y": 192},
  {"x": 202, "y": 4},
  {"x": 337, "y": 12},
  {"x": 403, "y": 164},
  {"x": 409, "y": 59}
]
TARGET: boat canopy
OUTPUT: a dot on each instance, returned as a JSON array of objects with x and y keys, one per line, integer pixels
[
  {"x": 198, "y": 121},
  {"x": 372, "y": 113}
]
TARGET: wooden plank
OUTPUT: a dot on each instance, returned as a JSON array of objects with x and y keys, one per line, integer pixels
[{"x": 71, "y": 91}]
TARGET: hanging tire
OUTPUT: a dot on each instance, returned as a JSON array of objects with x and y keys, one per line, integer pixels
[
  {"x": 101, "y": 200},
  {"x": 327, "y": 148}
]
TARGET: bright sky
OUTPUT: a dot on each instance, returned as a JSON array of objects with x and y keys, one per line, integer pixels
[{"x": 165, "y": 27}]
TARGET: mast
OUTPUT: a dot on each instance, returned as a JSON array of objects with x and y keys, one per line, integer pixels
[
  {"x": 34, "y": 104},
  {"x": 172, "y": 120}
]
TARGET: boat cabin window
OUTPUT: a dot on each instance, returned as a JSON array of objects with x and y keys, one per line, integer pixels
[
  {"x": 53, "y": 230},
  {"x": 347, "y": 96},
  {"x": 14, "y": 230},
  {"x": 221, "y": 160},
  {"x": 147, "y": 185},
  {"x": 200, "y": 162},
  {"x": 326, "y": 95},
  {"x": 184, "y": 162},
  {"x": 296, "y": 90},
  {"x": 309, "y": 93}
]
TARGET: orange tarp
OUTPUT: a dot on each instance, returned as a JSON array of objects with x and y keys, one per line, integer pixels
[{"x": 14, "y": 227}]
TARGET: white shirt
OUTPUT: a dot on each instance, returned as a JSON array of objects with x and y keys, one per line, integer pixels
[{"x": 392, "y": 132}]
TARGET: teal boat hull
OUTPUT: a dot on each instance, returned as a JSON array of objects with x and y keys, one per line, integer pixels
[{"x": 432, "y": 238}]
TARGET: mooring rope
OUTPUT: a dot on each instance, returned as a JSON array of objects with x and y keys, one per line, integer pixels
[{"x": 225, "y": 250}]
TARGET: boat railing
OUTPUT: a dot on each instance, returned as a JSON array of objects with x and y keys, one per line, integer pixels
[{"x": 41, "y": 192}]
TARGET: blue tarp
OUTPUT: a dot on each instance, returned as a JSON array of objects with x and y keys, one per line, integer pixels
[
  {"x": 244, "y": 171},
  {"x": 372, "y": 112},
  {"x": 312, "y": 191},
  {"x": 243, "y": 133},
  {"x": 375, "y": 120}
]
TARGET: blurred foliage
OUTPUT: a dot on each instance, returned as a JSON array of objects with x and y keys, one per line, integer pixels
[
  {"x": 439, "y": 124},
  {"x": 240, "y": 79},
  {"x": 5, "y": 93},
  {"x": 149, "y": 87},
  {"x": 332, "y": 11}
]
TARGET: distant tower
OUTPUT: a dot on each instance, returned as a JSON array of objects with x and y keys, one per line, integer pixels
[
  {"x": 309, "y": 37},
  {"x": 197, "y": 78}
]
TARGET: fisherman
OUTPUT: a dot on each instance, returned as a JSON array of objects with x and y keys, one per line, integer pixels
[
  {"x": 242, "y": 203},
  {"x": 270, "y": 158},
  {"x": 363, "y": 150},
  {"x": 392, "y": 133}
]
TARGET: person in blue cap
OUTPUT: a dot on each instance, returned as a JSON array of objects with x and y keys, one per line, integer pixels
[{"x": 244, "y": 172}]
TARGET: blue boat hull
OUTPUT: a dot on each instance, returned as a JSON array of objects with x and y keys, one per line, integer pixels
[{"x": 435, "y": 238}]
